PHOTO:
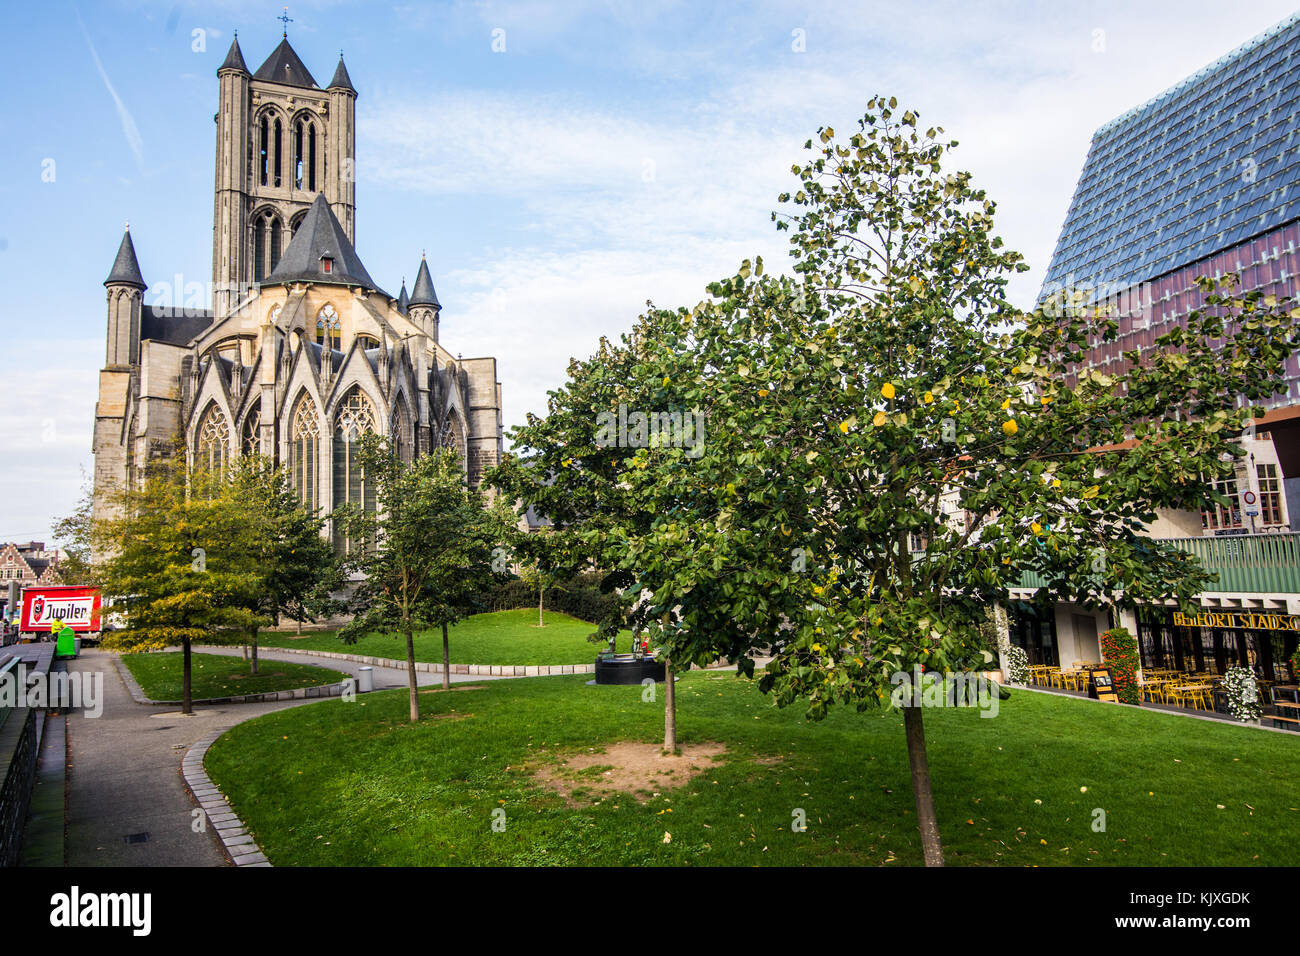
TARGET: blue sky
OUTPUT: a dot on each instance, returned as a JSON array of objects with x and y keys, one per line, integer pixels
[{"x": 612, "y": 153}]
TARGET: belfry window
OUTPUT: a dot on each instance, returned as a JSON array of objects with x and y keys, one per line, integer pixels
[
  {"x": 263, "y": 158},
  {"x": 311, "y": 156},
  {"x": 268, "y": 240},
  {"x": 297, "y": 155},
  {"x": 276, "y": 166}
]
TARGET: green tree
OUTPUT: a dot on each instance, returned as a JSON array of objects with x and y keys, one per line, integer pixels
[
  {"x": 298, "y": 569},
  {"x": 572, "y": 470},
  {"x": 73, "y": 534},
  {"x": 428, "y": 552},
  {"x": 891, "y": 444},
  {"x": 176, "y": 562}
]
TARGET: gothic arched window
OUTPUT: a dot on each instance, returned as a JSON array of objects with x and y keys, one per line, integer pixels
[
  {"x": 213, "y": 447},
  {"x": 327, "y": 327},
  {"x": 267, "y": 242},
  {"x": 304, "y": 451},
  {"x": 250, "y": 440},
  {"x": 354, "y": 418},
  {"x": 263, "y": 157},
  {"x": 400, "y": 430},
  {"x": 452, "y": 438},
  {"x": 276, "y": 165},
  {"x": 311, "y": 156},
  {"x": 297, "y": 154}
]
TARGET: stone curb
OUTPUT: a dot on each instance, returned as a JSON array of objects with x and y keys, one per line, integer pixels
[
  {"x": 301, "y": 693},
  {"x": 482, "y": 670},
  {"x": 1170, "y": 713},
  {"x": 238, "y": 842}
]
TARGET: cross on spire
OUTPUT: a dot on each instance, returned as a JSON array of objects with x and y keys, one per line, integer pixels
[{"x": 285, "y": 19}]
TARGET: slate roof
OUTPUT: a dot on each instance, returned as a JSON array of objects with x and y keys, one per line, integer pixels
[
  {"x": 126, "y": 269},
  {"x": 320, "y": 234},
  {"x": 422, "y": 293},
  {"x": 234, "y": 59},
  {"x": 173, "y": 326},
  {"x": 403, "y": 300},
  {"x": 283, "y": 66},
  {"x": 341, "y": 79},
  {"x": 1209, "y": 163}
]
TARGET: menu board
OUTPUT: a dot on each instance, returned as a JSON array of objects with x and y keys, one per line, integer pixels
[{"x": 1101, "y": 686}]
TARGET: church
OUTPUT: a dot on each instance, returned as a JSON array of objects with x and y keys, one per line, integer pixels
[{"x": 301, "y": 350}]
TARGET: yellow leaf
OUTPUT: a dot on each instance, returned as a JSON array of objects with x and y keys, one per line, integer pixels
[
  {"x": 1009, "y": 427},
  {"x": 844, "y": 427},
  {"x": 887, "y": 390},
  {"x": 762, "y": 393},
  {"x": 1091, "y": 492},
  {"x": 878, "y": 420}
]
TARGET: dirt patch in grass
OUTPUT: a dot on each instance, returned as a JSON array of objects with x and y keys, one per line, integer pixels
[
  {"x": 443, "y": 690},
  {"x": 637, "y": 769}
]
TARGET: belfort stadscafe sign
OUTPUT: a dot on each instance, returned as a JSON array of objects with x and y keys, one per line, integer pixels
[{"x": 1233, "y": 620}]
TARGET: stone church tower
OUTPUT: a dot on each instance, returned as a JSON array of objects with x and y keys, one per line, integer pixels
[{"x": 302, "y": 350}]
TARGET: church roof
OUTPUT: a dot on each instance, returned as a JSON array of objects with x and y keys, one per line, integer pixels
[
  {"x": 126, "y": 269},
  {"x": 341, "y": 79},
  {"x": 403, "y": 300},
  {"x": 320, "y": 236},
  {"x": 234, "y": 59},
  {"x": 173, "y": 326},
  {"x": 423, "y": 293},
  {"x": 1204, "y": 166},
  {"x": 283, "y": 66}
]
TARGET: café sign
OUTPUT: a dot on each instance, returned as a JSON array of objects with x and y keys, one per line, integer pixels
[{"x": 1236, "y": 619}]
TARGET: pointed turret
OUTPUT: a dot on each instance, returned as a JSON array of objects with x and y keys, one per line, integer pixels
[
  {"x": 234, "y": 59},
  {"x": 126, "y": 269},
  {"x": 341, "y": 79},
  {"x": 403, "y": 300},
  {"x": 423, "y": 293}
]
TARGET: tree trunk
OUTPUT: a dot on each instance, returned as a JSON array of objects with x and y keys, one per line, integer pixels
[
  {"x": 187, "y": 697},
  {"x": 300, "y": 627},
  {"x": 541, "y": 597},
  {"x": 410, "y": 675},
  {"x": 446, "y": 660},
  {"x": 928, "y": 823},
  {"x": 253, "y": 642},
  {"x": 670, "y": 711}
]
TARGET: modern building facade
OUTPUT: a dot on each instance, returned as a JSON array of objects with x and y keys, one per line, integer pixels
[
  {"x": 1203, "y": 180},
  {"x": 302, "y": 350}
]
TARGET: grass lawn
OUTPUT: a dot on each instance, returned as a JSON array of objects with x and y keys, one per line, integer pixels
[
  {"x": 1009, "y": 789},
  {"x": 213, "y": 675},
  {"x": 501, "y": 637}
]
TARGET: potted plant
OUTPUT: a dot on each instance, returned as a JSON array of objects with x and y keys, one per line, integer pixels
[
  {"x": 1119, "y": 652},
  {"x": 1294, "y": 661}
]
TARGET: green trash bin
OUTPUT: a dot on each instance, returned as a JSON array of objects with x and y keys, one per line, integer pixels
[{"x": 66, "y": 645}]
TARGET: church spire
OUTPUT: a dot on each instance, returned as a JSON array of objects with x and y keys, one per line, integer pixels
[
  {"x": 235, "y": 58},
  {"x": 423, "y": 293},
  {"x": 126, "y": 269},
  {"x": 341, "y": 79},
  {"x": 403, "y": 300}
]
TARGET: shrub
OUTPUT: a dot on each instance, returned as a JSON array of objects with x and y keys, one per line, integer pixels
[
  {"x": 1017, "y": 666},
  {"x": 1242, "y": 693},
  {"x": 1119, "y": 652},
  {"x": 579, "y": 597}
]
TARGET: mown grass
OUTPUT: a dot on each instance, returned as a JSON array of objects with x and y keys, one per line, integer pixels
[
  {"x": 499, "y": 637},
  {"x": 161, "y": 676},
  {"x": 341, "y": 783}
]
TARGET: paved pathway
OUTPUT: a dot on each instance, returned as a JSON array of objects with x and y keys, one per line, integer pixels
[{"x": 124, "y": 770}]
